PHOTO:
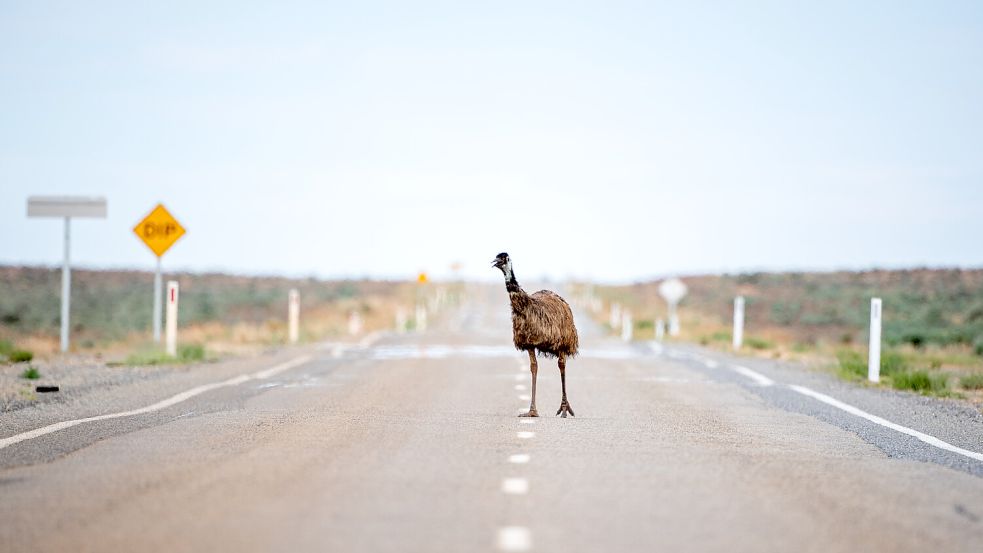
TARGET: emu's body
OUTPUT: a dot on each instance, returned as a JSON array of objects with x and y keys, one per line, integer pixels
[{"x": 541, "y": 322}]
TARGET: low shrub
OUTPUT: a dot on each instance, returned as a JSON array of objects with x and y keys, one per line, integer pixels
[
  {"x": 191, "y": 352},
  {"x": 31, "y": 373},
  {"x": 757, "y": 343},
  {"x": 916, "y": 339},
  {"x": 20, "y": 356},
  {"x": 893, "y": 362},
  {"x": 920, "y": 381},
  {"x": 972, "y": 381},
  {"x": 852, "y": 364},
  {"x": 151, "y": 357}
]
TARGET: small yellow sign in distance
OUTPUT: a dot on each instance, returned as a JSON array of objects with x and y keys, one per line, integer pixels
[
  {"x": 159, "y": 230},
  {"x": 422, "y": 278}
]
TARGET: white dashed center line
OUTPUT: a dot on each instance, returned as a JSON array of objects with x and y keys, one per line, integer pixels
[
  {"x": 514, "y": 538},
  {"x": 519, "y": 458},
  {"x": 525, "y": 435},
  {"x": 524, "y": 397},
  {"x": 527, "y": 421},
  {"x": 515, "y": 486},
  {"x": 520, "y": 387}
]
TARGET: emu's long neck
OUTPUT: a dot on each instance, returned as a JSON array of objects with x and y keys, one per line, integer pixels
[{"x": 517, "y": 296}]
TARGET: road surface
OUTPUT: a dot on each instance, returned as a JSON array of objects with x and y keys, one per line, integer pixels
[{"x": 411, "y": 443}]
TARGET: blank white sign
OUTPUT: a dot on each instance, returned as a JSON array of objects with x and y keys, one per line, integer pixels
[{"x": 66, "y": 206}]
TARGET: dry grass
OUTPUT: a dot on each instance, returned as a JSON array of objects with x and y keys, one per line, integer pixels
[
  {"x": 226, "y": 314},
  {"x": 933, "y": 321}
]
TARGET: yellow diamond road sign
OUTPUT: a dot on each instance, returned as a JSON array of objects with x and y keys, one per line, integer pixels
[{"x": 159, "y": 230}]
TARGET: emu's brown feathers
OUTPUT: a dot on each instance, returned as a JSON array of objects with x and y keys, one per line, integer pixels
[{"x": 543, "y": 321}]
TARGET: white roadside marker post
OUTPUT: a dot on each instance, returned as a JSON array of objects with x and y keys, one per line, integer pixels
[
  {"x": 400, "y": 321},
  {"x": 738, "y": 322},
  {"x": 874, "y": 355},
  {"x": 354, "y": 323},
  {"x": 293, "y": 316},
  {"x": 66, "y": 207},
  {"x": 660, "y": 330},
  {"x": 615, "y": 315},
  {"x": 170, "y": 325},
  {"x": 626, "y": 326}
]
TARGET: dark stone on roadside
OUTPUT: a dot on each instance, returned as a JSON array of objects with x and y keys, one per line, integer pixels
[{"x": 46, "y": 389}]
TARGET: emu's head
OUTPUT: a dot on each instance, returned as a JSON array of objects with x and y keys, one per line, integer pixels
[{"x": 502, "y": 262}]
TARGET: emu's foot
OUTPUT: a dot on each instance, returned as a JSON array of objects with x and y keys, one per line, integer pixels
[
  {"x": 564, "y": 409},
  {"x": 530, "y": 413}
]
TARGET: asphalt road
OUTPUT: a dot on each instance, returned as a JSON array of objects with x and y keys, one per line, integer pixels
[{"x": 411, "y": 443}]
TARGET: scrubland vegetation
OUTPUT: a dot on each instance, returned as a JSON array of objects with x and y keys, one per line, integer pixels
[
  {"x": 932, "y": 325},
  {"x": 111, "y": 312}
]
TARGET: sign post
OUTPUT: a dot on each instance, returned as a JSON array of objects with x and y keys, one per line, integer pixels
[
  {"x": 157, "y": 304},
  {"x": 672, "y": 291},
  {"x": 400, "y": 321},
  {"x": 159, "y": 230},
  {"x": 66, "y": 207},
  {"x": 421, "y": 306},
  {"x": 874, "y": 353},
  {"x": 738, "y": 322}
]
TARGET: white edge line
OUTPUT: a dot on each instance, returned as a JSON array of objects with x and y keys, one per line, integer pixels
[
  {"x": 163, "y": 404},
  {"x": 757, "y": 377},
  {"x": 930, "y": 440}
]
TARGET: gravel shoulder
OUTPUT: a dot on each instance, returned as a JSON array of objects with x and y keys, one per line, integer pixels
[
  {"x": 952, "y": 421},
  {"x": 88, "y": 387}
]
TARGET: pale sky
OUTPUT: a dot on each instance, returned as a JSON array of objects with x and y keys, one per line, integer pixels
[{"x": 606, "y": 140}]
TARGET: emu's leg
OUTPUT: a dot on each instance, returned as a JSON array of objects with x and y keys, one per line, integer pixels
[
  {"x": 533, "y": 368},
  {"x": 564, "y": 404}
]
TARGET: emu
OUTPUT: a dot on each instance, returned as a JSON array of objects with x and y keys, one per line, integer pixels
[{"x": 541, "y": 322}]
